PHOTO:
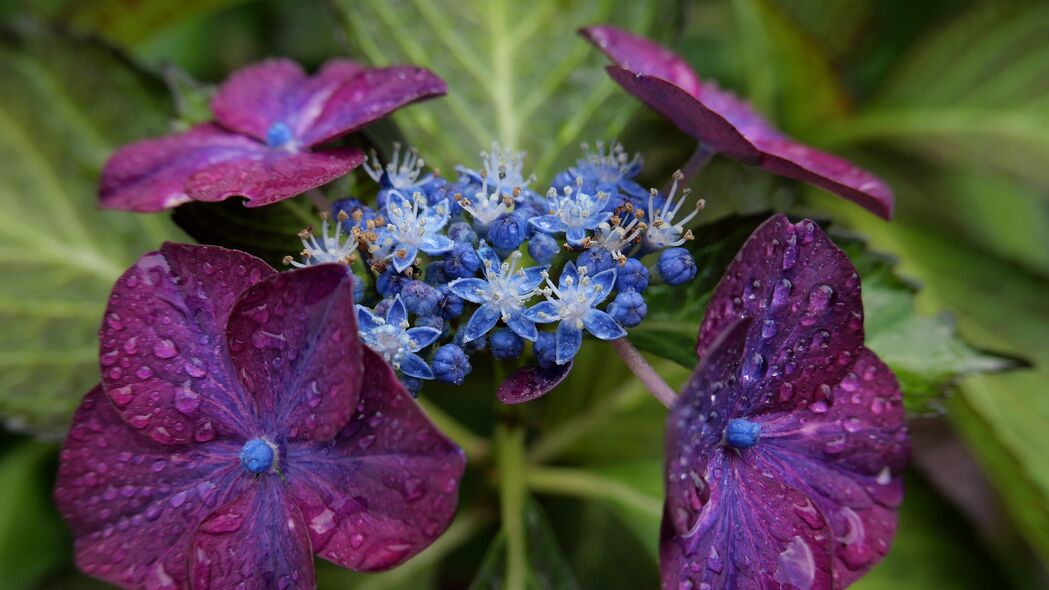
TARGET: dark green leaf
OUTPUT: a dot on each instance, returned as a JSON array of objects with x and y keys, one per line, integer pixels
[
  {"x": 65, "y": 104},
  {"x": 32, "y": 537}
]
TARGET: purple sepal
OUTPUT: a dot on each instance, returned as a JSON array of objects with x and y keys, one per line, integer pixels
[
  {"x": 532, "y": 382},
  {"x": 720, "y": 119}
]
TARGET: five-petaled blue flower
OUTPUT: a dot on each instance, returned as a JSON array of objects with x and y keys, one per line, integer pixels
[
  {"x": 393, "y": 339},
  {"x": 608, "y": 168},
  {"x": 572, "y": 303},
  {"x": 572, "y": 212},
  {"x": 502, "y": 294},
  {"x": 663, "y": 231},
  {"x": 412, "y": 226}
]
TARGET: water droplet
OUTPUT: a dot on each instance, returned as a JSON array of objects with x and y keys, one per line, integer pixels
[
  {"x": 187, "y": 401},
  {"x": 164, "y": 349},
  {"x": 819, "y": 299},
  {"x": 781, "y": 294},
  {"x": 194, "y": 368},
  {"x": 356, "y": 541}
]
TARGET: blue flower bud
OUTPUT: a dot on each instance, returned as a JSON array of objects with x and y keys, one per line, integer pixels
[
  {"x": 390, "y": 282},
  {"x": 676, "y": 266},
  {"x": 420, "y": 299},
  {"x": 595, "y": 260},
  {"x": 632, "y": 276},
  {"x": 461, "y": 232},
  {"x": 436, "y": 274},
  {"x": 543, "y": 247},
  {"x": 472, "y": 346},
  {"x": 545, "y": 349},
  {"x": 450, "y": 364},
  {"x": 412, "y": 384},
  {"x": 461, "y": 262},
  {"x": 505, "y": 344},
  {"x": 507, "y": 232},
  {"x": 359, "y": 213},
  {"x": 628, "y": 308},
  {"x": 429, "y": 321},
  {"x": 451, "y": 305},
  {"x": 382, "y": 307}
]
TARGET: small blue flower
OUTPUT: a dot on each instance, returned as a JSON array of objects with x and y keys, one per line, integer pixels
[
  {"x": 632, "y": 276},
  {"x": 572, "y": 303},
  {"x": 545, "y": 349},
  {"x": 395, "y": 341},
  {"x": 595, "y": 260},
  {"x": 461, "y": 262},
  {"x": 333, "y": 246},
  {"x": 508, "y": 232},
  {"x": 543, "y": 247},
  {"x": 401, "y": 174},
  {"x": 616, "y": 237},
  {"x": 502, "y": 294},
  {"x": 461, "y": 233},
  {"x": 390, "y": 283},
  {"x": 663, "y": 231},
  {"x": 572, "y": 212},
  {"x": 450, "y": 364},
  {"x": 505, "y": 344},
  {"x": 358, "y": 215},
  {"x": 607, "y": 169},
  {"x": 420, "y": 298},
  {"x": 676, "y": 266},
  {"x": 628, "y": 308},
  {"x": 412, "y": 226}
]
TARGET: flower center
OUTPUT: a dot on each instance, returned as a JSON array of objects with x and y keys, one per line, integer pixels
[
  {"x": 278, "y": 136},
  {"x": 742, "y": 434},
  {"x": 258, "y": 456},
  {"x": 391, "y": 342}
]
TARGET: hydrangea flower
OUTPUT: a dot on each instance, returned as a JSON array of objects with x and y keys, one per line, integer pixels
[
  {"x": 616, "y": 236},
  {"x": 501, "y": 294},
  {"x": 727, "y": 124},
  {"x": 412, "y": 226},
  {"x": 393, "y": 338},
  {"x": 572, "y": 304},
  {"x": 402, "y": 173},
  {"x": 786, "y": 448},
  {"x": 239, "y": 428},
  {"x": 665, "y": 229},
  {"x": 333, "y": 246},
  {"x": 572, "y": 212},
  {"x": 269, "y": 119},
  {"x": 608, "y": 169}
]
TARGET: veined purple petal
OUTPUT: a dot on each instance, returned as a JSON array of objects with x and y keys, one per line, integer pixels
[
  {"x": 480, "y": 322},
  {"x": 602, "y": 326},
  {"x": 258, "y": 541},
  {"x": 568, "y": 339},
  {"x": 532, "y": 382},
  {"x": 132, "y": 503},
  {"x": 803, "y": 295},
  {"x": 638, "y": 54},
  {"x": 848, "y": 456},
  {"x": 387, "y": 487},
  {"x": 254, "y": 98},
  {"x": 272, "y": 175},
  {"x": 151, "y": 175},
  {"x": 162, "y": 354},
  {"x": 469, "y": 289},
  {"x": 294, "y": 346},
  {"x": 369, "y": 96}
]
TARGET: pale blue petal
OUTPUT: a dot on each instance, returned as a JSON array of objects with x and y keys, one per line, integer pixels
[
  {"x": 575, "y": 236},
  {"x": 549, "y": 224},
  {"x": 569, "y": 271},
  {"x": 423, "y": 337},
  {"x": 530, "y": 278},
  {"x": 395, "y": 198},
  {"x": 543, "y": 313},
  {"x": 602, "y": 326},
  {"x": 480, "y": 322},
  {"x": 488, "y": 256},
  {"x": 402, "y": 263},
  {"x": 366, "y": 320},
  {"x": 414, "y": 366},
  {"x": 435, "y": 244},
  {"x": 567, "y": 341},
  {"x": 606, "y": 279},
  {"x": 472, "y": 290},
  {"x": 397, "y": 314},
  {"x": 522, "y": 326}
]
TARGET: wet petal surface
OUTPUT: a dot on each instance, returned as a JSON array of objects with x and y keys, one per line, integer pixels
[{"x": 532, "y": 382}]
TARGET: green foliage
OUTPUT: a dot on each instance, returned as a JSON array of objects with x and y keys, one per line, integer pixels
[
  {"x": 32, "y": 537},
  {"x": 65, "y": 105},
  {"x": 517, "y": 72}
]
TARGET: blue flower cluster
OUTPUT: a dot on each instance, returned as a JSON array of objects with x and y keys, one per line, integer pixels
[{"x": 447, "y": 269}]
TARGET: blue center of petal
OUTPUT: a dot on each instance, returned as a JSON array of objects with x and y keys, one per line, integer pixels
[
  {"x": 742, "y": 434},
  {"x": 257, "y": 456},
  {"x": 278, "y": 135}
]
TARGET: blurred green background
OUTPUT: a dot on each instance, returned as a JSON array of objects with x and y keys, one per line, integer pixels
[{"x": 947, "y": 100}]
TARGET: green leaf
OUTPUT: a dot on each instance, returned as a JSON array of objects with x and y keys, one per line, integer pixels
[
  {"x": 32, "y": 538},
  {"x": 65, "y": 104},
  {"x": 547, "y": 567},
  {"x": 517, "y": 72}
]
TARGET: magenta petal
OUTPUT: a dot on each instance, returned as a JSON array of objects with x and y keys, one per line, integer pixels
[
  {"x": 849, "y": 459},
  {"x": 803, "y": 295},
  {"x": 258, "y": 541},
  {"x": 164, "y": 364},
  {"x": 689, "y": 114},
  {"x": 532, "y": 382},
  {"x": 131, "y": 503},
  {"x": 386, "y": 487},
  {"x": 752, "y": 532},
  {"x": 273, "y": 176},
  {"x": 293, "y": 342},
  {"x": 254, "y": 98},
  {"x": 151, "y": 175},
  {"x": 642, "y": 56},
  {"x": 371, "y": 95}
]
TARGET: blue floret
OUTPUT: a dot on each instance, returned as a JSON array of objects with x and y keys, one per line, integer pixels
[{"x": 676, "y": 266}]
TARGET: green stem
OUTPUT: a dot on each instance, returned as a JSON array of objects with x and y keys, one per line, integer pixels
[
  {"x": 475, "y": 446},
  {"x": 510, "y": 459},
  {"x": 555, "y": 441},
  {"x": 584, "y": 484}
]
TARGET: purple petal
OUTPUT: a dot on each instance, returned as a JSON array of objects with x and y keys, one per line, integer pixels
[
  {"x": 532, "y": 382},
  {"x": 803, "y": 295},
  {"x": 133, "y": 504},
  {"x": 151, "y": 175},
  {"x": 294, "y": 346},
  {"x": 848, "y": 459},
  {"x": 640, "y": 55},
  {"x": 164, "y": 363},
  {"x": 258, "y": 541},
  {"x": 369, "y": 96},
  {"x": 255, "y": 97},
  {"x": 386, "y": 487},
  {"x": 272, "y": 176}
]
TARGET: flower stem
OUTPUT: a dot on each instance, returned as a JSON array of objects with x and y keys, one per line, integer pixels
[
  {"x": 644, "y": 371},
  {"x": 696, "y": 162},
  {"x": 510, "y": 458}
]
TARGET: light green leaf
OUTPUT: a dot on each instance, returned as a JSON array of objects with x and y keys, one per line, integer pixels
[
  {"x": 65, "y": 104},
  {"x": 517, "y": 72},
  {"x": 32, "y": 537}
]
